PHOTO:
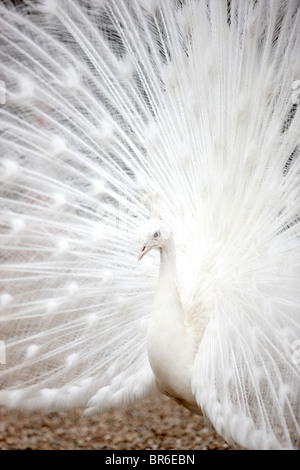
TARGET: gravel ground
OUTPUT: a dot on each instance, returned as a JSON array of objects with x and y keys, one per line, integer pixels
[{"x": 154, "y": 423}]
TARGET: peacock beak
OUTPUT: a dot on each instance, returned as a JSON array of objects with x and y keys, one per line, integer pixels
[{"x": 144, "y": 249}]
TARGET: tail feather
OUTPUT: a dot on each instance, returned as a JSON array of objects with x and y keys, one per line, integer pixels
[{"x": 104, "y": 103}]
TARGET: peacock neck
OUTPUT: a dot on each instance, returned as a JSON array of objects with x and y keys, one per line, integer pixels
[
  {"x": 167, "y": 287},
  {"x": 167, "y": 270}
]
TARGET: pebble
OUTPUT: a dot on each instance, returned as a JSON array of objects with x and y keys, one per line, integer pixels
[{"x": 155, "y": 423}]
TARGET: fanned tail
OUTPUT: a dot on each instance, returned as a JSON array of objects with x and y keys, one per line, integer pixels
[{"x": 104, "y": 103}]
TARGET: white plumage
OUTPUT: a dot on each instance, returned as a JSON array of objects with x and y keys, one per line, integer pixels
[{"x": 102, "y": 103}]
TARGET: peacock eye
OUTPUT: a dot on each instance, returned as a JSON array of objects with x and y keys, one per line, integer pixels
[{"x": 156, "y": 234}]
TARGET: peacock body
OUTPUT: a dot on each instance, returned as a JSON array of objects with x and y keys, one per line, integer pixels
[{"x": 195, "y": 103}]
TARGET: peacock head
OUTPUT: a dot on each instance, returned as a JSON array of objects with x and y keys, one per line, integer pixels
[{"x": 153, "y": 235}]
